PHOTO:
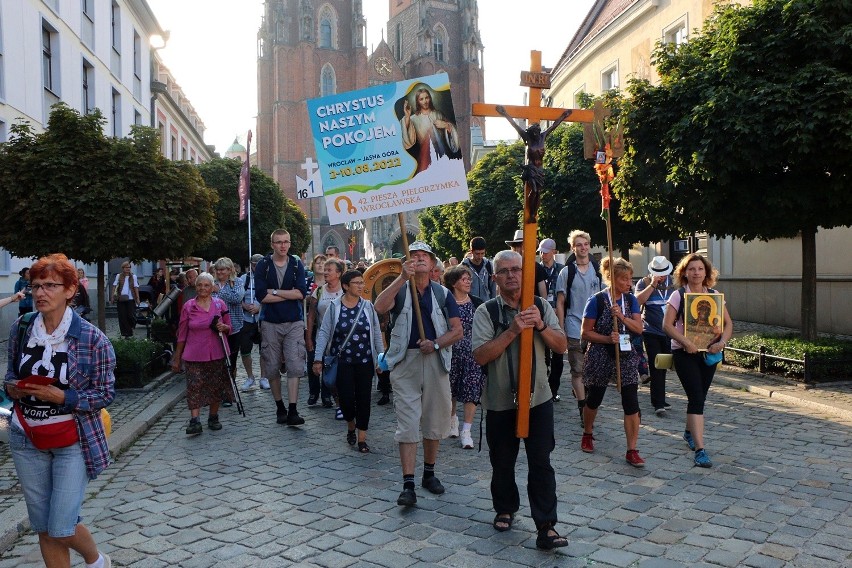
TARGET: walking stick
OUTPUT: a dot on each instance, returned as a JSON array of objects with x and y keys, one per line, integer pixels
[
  {"x": 234, "y": 389},
  {"x": 603, "y": 167}
]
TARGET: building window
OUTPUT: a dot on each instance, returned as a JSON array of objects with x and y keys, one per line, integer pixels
[
  {"x": 438, "y": 47},
  {"x": 174, "y": 148},
  {"x": 328, "y": 81},
  {"x": 3, "y": 134},
  {"x": 399, "y": 42},
  {"x": 87, "y": 22},
  {"x": 325, "y": 33},
  {"x": 48, "y": 65},
  {"x": 2, "y": 72},
  {"x": 116, "y": 114},
  {"x": 88, "y": 87},
  {"x": 137, "y": 55},
  {"x": 115, "y": 27},
  {"x": 183, "y": 153},
  {"x": 609, "y": 77},
  {"x": 137, "y": 117},
  {"x": 162, "y": 130},
  {"x": 676, "y": 32}
]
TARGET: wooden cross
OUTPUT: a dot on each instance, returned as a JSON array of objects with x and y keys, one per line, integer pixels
[{"x": 536, "y": 80}]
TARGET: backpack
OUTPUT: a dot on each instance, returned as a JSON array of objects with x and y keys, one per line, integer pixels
[
  {"x": 572, "y": 272},
  {"x": 500, "y": 326},
  {"x": 292, "y": 266},
  {"x": 399, "y": 302}
]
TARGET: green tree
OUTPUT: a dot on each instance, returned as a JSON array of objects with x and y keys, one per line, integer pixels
[
  {"x": 749, "y": 118},
  {"x": 270, "y": 210},
  {"x": 74, "y": 190}
]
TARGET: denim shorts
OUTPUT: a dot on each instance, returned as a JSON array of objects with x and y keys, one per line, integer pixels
[{"x": 53, "y": 483}]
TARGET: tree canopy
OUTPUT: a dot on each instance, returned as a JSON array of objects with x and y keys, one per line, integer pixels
[
  {"x": 72, "y": 189},
  {"x": 747, "y": 133},
  {"x": 270, "y": 210}
]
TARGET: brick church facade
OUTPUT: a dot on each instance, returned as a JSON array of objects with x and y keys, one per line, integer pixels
[{"x": 313, "y": 48}]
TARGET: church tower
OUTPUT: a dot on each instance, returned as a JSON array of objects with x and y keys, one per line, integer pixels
[
  {"x": 306, "y": 49},
  {"x": 313, "y": 48},
  {"x": 442, "y": 36}
]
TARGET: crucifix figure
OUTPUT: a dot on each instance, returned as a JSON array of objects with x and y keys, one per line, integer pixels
[
  {"x": 533, "y": 175},
  {"x": 536, "y": 79}
]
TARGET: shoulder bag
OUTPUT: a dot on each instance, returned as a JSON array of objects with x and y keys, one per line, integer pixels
[{"x": 329, "y": 362}]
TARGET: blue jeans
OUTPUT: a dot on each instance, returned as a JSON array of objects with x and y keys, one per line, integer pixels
[{"x": 53, "y": 483}]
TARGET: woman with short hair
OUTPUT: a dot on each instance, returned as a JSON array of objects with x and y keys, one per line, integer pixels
[
  {"x": 60, "y": 375},
  {"x": 200, "y": 349},
  {"x": 350, "y": 327},
  {"x": 318, "y": 302},
  {"x": 694, "y": 274}
]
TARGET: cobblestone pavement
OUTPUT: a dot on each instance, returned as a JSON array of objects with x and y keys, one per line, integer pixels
[{"x": 260, "y": 494}]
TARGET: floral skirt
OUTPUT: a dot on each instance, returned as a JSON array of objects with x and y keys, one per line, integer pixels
[
  {"x": 207, "y": 383},
  {"x": 599, "y": 366}
]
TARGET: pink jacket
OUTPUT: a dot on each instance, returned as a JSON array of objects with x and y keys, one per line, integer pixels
[{"x": 201, "y": 342}]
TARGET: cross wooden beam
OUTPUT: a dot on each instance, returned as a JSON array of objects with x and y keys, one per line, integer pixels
[{"x": 537, "y": 80}]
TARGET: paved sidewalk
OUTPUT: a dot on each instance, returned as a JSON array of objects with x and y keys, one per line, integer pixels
[{"x": 609, "y": 519}]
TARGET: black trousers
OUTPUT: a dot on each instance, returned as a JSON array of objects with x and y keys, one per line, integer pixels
[
  {"x": 354, "y": 387},
  {"x": 126, "y": 317},
  {"x": 695, "y": 377},
  {"x": 557, "y": 364},
  {"x": 655, "y": 344},
  {"x": 503, "y": 447},
  {"x": 316, "y": 386}
]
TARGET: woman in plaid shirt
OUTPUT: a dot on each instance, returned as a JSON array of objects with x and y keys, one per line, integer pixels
[{"x": 57, "y": 439}]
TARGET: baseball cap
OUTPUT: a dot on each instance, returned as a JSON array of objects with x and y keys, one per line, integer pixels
[
  {"x": 255, "y": 258},
  {"x": 547, "y": 245}
]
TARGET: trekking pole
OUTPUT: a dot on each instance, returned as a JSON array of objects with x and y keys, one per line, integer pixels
[{"x": 234, "y": 390}]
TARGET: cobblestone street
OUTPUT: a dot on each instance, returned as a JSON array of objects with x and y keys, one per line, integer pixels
[{"x": 260, "y": 494}]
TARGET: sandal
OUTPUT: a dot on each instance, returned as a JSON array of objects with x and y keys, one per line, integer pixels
[
  {"x": 350, "y": 437},
  {"x": 363, "y": 448},
  {"x": 547, "y": 541},
  {"x": 503, "y": 521}
]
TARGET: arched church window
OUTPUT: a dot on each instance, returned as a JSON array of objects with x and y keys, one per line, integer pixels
[
  {"x": 328, "y": 81},
  {"x": 325, "y": 33}
]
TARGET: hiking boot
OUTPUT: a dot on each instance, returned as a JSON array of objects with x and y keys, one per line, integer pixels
[
  {"x": 193, "y": 428},
  {"x": 408, "y": 498},
  {"x": 634, "y": 459},
  {"x": 687, "y": 436},
  {"x": 701, "y": 459},
  {"x": 293, "y": 419},
  {"x": 432, "y": 485},
  {"x": 587, "y": 444},
  {"x": 213, "y": 422}
]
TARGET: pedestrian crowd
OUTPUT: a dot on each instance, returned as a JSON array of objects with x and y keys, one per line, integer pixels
[{"x": 440, "y": 337}]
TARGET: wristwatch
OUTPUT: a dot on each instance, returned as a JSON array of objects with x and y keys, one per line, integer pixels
[
  {"x": 275, "y": 292},
  {"x": 436, "y": 346}
]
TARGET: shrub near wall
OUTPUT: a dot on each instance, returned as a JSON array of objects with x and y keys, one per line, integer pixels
[
  {"x": 137, "y": 361},
  {"x": 830, "y": 359}
]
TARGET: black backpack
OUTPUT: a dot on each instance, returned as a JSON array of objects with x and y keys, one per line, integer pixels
[{"x": 572, "y": 272}]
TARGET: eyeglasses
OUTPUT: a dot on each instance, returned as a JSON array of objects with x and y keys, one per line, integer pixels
[
  {"x": 280, "y": 242},
  {"x": 47, "y": 287},
  {"x": 514, "y": 271},
  {"x": 466, "y": 279},
  {"x": 356, "y": 283}
]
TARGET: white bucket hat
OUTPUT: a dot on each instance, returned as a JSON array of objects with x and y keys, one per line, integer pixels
[
  {"x": 519, "y": 238},
  {"x": 660, "y": 266}
]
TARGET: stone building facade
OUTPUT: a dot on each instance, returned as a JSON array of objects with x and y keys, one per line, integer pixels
[{"x": 313, "y": 48}]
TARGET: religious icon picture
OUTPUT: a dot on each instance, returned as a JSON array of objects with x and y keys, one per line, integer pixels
[{"x": 702, "y": 321}]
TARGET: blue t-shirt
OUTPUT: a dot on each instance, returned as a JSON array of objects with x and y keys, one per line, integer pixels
[
  {"x": 591, "y": 310},
  {"x": 655, "y": 306},
  {"x": 426, "y": 310}
]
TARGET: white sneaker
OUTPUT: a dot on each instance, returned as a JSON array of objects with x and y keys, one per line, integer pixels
[
  {"x": 264, "y": 383},
  {"x": 247, "y": 384},
  {"x": 454, "y": 427},
  {"x": 466, "y": 440}
]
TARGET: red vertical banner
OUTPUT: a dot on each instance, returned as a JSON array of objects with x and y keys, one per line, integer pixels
[{"x": 244, "y": 187}]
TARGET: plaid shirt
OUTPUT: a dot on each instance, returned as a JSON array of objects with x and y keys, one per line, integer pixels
[
  {"x": 232, "y": 294},
  {"x": 91, "y": 362}
]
